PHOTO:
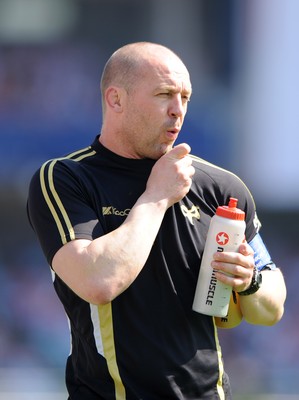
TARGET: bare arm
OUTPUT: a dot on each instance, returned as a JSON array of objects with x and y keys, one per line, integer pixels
[
  {"x": 266, "y": 306},
  {"x": 101, "y": 269}
]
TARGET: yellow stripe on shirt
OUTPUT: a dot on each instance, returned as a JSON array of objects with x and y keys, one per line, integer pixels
[
  {"x": 106, "y": 324},
  {"x": 78, "y": 156},
  {"x": 220, "y": 364}
]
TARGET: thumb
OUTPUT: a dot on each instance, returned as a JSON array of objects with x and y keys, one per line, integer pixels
[
  {"x": 179, "y": 151},
  {"x": 246, "y": 249}
]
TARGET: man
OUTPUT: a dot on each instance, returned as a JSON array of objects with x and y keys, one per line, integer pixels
[{"x": 123, "y": 225}]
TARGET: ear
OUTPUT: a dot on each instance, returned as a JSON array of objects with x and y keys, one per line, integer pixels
[{"x": 114, "y": 97}]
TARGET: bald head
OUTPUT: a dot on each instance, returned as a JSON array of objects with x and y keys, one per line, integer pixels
[
  {"x": 145, "y": 92},
  {"x": 128, "y": 64}
]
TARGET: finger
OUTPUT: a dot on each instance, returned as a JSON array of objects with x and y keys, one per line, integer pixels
[
  {"x": 229, "y": 268},
  {"x": 179, "y": 151},
  {"x": 245, "y": 249},
  {"x": 238, "y": 278}
]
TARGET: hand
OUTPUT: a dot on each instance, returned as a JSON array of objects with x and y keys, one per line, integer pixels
[
  {"x": 235, "y": 269},
  {"x": 171, "y": 176}
]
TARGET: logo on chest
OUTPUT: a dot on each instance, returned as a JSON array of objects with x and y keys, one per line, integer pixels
[
  {"x": 190, "y": 213},
  {"x": 109, "y": 210}
]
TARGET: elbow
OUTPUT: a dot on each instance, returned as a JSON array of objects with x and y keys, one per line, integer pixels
[
  {"x": 265, "y": 318},
  {"x": 277, "y": 312},
  {"x": 276, "y": 317},
  {"x": 102, "y": 293},
  {"x": 98, "y": 296}
]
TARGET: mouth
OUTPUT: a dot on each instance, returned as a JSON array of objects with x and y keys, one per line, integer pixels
[{"x": 172, "y": 133}]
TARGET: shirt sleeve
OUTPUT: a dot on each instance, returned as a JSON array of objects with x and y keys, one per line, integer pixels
[
  {"x": 59, "y": 208},
  {"x": 262, "y": 258}
]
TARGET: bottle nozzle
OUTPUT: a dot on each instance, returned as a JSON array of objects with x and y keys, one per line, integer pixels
[
  {"x": 232, "y": 202},
  {"x": 231, "y": 211}
]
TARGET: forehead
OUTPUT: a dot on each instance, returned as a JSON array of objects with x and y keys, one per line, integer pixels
[{"x": 166, "y": 71}]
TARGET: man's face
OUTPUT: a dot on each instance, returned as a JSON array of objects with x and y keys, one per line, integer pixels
[{"x": 155, "y": 108}]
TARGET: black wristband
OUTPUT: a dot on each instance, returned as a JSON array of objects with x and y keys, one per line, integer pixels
[{"x": 255, "y": 284}]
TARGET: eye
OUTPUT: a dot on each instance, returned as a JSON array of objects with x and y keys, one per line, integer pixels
[
  {"x": 186, "y": 93},
  {"x": 164, "y": 94},
  {"x": 186, "y": 98}
]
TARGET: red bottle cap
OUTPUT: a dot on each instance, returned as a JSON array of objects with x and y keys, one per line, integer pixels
[{"x": 231, "y": 211}]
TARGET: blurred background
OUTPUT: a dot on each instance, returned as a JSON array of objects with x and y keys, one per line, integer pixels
[{"x": 244, "y": 61}]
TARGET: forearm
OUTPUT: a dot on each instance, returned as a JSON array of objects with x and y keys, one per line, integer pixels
[
  {"x": 119, "y": 256},
  {"x": 99, "y": 270},
  {"x": 266, "y": 306}
]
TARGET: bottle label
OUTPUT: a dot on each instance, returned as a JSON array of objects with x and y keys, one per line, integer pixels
[
  {"x": 211, "y": 295},
  {"x": 222, "y": 238},
  {"x": 211, "y": 291}
]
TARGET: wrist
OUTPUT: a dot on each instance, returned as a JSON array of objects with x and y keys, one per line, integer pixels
[{"x": 255, "y": 284}]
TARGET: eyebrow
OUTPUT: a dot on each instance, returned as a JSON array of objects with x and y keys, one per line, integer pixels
[{"x": 175, "y": 89}]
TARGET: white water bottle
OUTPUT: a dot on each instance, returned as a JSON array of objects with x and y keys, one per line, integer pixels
[{"x": 226, "y": 233}]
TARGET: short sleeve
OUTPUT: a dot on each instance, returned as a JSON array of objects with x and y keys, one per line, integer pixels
[
  {"x": 262, "y": 258},
  {"x": 59, "y": 208}
]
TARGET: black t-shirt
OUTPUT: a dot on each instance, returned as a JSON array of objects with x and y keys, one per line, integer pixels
[{"x": 147, "y": 343}]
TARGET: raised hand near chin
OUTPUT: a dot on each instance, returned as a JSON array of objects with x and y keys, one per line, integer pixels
[{"x": 171, "y": 176}]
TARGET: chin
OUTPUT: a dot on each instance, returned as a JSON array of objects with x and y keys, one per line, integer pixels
[
  {"x": 160, "y": 150},
  {"x": 167, "y": 147}
]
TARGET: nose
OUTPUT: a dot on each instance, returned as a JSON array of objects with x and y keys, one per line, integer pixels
[{"x": 176, "y": 107}]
